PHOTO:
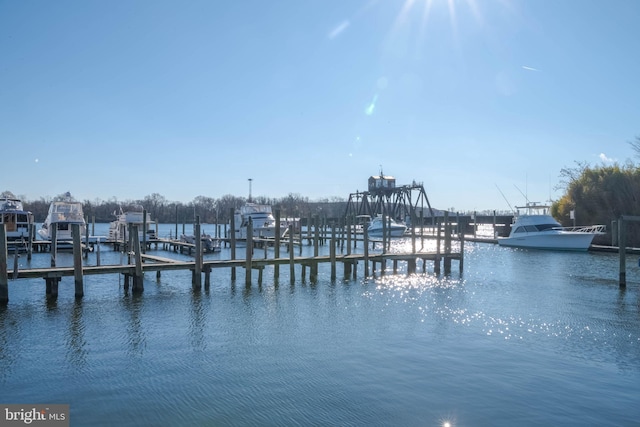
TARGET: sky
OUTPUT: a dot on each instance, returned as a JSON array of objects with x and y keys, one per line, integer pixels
[{"x": 484, "y": 102}]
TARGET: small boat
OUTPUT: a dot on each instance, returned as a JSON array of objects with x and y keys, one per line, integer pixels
[
  {"x": 537, "y": 229},
  {"x": 262, "y": 220},
  {"x": 209, "y": 244},
  {"x": 392, "y": 227},
  {"x": 15, "y": 219},
  {"x": 134, "y": 215},
  {"x": 62, "y": 215}
]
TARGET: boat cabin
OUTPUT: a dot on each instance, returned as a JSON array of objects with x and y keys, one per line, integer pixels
[{"x": 15, "y": 219}]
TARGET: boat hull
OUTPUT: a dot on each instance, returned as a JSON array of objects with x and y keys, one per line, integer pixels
[
  {"x": 395, "y": 232},
  {"x": 563, "y": 241}
]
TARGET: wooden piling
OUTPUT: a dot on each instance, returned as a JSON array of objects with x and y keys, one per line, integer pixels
[
  {"x": 144, "y": 231},
  {"x": 4, "y": 278},
  {"x": 85, "y": 253},
  {"x": 622, "y": 251},
  {"x": 138, "y": 280},
  {"x": 77, "y": 260},
  {"x": 197, "y": 271},
  {"x": 365, "y": 234},
  {"x": 232, "y": 239},
  {"x": 32, "y": 231},
  {"x": 447, "y": 243},
  {"x": 291, "y": 256},
  {"x": 461, "y": 261},
  {"x": 436, "y": 265},
  {"x": 54, "y": 243},
  {"x": 276, "y": 247},
  {"x": 332, "y": 252},
  {"x": 313, "y": 273},
  {"x": 249, "y": 253}
]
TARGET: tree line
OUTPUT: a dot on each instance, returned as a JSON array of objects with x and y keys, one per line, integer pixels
[
  {"x": 210, "y": 210},
  {"x": 600, "y": 195}
]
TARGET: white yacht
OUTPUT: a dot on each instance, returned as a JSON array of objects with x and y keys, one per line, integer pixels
[
  {"x": 119, "y": 229},
  {"x": 264, "y": 224},
  {"x": 62, "y": 214},
  {"x": 15, "y": 219},
  {"x": 535, "y": 228},
  {"x": 393, "y": 228}
]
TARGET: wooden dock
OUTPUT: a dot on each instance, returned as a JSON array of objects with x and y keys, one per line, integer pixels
[{"x": 139, "y": 262}]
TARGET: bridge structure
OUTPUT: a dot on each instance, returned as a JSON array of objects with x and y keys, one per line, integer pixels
[{"x": 404, "y": 202}]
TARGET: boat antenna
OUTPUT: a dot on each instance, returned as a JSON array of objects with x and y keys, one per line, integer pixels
[
  {"x": 250, "y": 179},
  {"x": 523, "y": 195},
  {"x": 505, "y": 199}
]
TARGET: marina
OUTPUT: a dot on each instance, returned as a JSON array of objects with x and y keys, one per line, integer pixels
[
  {"x": 385, "y": 349},
  {"x": 138, "y": 261}
]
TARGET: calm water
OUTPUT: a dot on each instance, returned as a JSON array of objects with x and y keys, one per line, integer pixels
[{"x": 521, "y": 338}]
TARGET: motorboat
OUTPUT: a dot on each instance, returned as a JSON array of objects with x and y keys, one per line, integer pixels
[
  {"x": 380, "y": 223},
  {"x": 535, "y": 228},
  {"x": 209, "y": 244},
  {"x": 262, "y": 220},
  {"x": 133, "y": 215},
  {"x": 15, "y": 219},
  {"x": 62, "y": 215}
]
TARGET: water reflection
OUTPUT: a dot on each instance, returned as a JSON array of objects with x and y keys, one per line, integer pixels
[
  {"x": 75, "y": 338},
  {"x": 9, "y": 331},
  {"x": 135, "y": 335},
  {"x": 198, "y": 320}
]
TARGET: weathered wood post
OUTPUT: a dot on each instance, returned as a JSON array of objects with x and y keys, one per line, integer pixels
[
  {"x": 291, "y": 256},
  {"x": 342, "y": 229},
  {"x": 232, "y": 239},
  {"x": 31, "y": 229},
  {"x": 249, "y": 253},
  {"x": 365, "y": 235},
  {"x": 144, "y": 231},
  {"x": 622, "y": 251},
  {"x": 614, "y": 233},
  {"x": 447, "y": 243},
  {"x": 51, "y": 283},
  {"x": 332, "y": 251},
  {"x": 313, "y": 272},
  {"x": 347, "y": 264},
  {"x": 77, "y": 260},
  {"x": 138, "y": 279},
  {"x": 276, "y": 248},
  {"x": 461, "y": 252},
  {"x": 54, "y": 243},
  {"x": 176, "y": 236},
  {"x": 197, "y": 269},
  {"x": 86, "y": 238},
  {"x": 16, "y": 256},
  {"x": 436, "y": 265},
  {"x": 4, "y": 278}
]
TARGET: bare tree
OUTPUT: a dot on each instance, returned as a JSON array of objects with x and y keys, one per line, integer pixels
[{"x": 635, "y": 145}]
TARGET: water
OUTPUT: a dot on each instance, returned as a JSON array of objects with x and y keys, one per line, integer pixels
[{"x": 521, "y": 338}]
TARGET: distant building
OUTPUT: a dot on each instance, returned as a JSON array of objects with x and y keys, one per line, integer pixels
[{"x": 380, "y": 183}]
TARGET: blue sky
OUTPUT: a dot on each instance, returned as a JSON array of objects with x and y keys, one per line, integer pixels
[{"x": 128, "y": 98}]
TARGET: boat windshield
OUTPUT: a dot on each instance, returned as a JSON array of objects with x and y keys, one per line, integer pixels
[
  {"x": 535, "y": 228},
  {"x": 253, "y": 209}
]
